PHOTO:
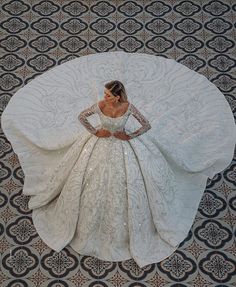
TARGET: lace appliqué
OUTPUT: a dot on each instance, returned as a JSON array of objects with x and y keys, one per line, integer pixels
[
  {"x": 83, "y": 118},
  {"x": 142, "y": 120}
]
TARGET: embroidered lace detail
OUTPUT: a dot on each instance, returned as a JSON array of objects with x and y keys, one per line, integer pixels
[
  {"x": 114, "y": 124},
  {"x": 142, "y": 120},
  {"x": 83, "y": 118}
]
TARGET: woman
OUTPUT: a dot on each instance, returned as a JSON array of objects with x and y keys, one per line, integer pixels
[
  {"x": 114, "y": 105},
  {"x": 89, "y": 188}
]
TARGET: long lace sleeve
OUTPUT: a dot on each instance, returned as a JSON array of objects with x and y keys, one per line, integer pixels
[
  {"x": 142, "y": 120},
  {"x": 83, "y": 118}
]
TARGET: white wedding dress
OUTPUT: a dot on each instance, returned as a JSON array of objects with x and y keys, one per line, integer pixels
[{"x": 110, "y": 198}]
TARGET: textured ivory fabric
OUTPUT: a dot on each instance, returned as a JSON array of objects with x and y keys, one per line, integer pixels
[{"x": 106, "y": 197}]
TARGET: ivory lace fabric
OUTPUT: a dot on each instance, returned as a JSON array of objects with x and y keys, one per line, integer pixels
[
  {"x": 106, "y": 197},
  {"x": 114, "y": 125}
]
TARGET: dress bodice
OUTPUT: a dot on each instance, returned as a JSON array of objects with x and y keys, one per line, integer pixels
[{"x": 114, "y": 124}]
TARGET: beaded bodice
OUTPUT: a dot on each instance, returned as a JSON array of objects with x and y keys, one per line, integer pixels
[{"x": 114, "y": 124}]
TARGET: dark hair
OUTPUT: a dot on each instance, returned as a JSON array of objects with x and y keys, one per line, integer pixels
[{"x": 117, "y": 89}]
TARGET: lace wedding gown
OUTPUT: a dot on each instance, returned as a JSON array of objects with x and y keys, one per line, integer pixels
[
  {"x": 110, "y": 198},
  {"x": 88, "y": 192}
]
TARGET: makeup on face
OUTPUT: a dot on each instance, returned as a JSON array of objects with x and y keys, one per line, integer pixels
[{"x": 108, "y": 95}]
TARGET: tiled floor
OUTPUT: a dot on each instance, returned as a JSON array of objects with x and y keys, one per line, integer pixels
[{"x": 37, "y": 35}]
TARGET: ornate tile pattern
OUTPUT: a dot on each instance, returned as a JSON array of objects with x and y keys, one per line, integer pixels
[{"x": 38, "y": 35}]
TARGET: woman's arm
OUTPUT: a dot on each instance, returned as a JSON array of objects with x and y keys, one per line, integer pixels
[
  {"x": 83, "y": 118},
  {"x": 142, "y": 120}
]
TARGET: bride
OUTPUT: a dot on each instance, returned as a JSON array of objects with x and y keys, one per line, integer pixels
[
  {"x": 115, "y": 101},
  {"x": 99, "y": 182},
  {"x": 108, "y": 189}
]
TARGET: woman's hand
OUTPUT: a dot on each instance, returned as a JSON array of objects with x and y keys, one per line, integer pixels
[
  {"x": 121, "y": 135},
  {"x": 103, "y": 133}
]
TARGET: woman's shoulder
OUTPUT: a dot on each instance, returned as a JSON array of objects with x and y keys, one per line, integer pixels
[{"x": 101, "y": 104}]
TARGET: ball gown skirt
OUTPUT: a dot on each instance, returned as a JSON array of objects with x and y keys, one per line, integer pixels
[{"x": 106, "y": 197}]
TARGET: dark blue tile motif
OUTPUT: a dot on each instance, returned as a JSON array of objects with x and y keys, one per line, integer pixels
[
  {"x": 75, "y": 8},
  {"x": 189, "y": 44},
  {"x": 103, "y": 8},
  {"x": 216, "y": 8},
  {"x": 96, "y": 268},
  {"x": 102, "y": 44},
  {"x": 159, "y": 44},
  {"x": 21, "y": 230},
  {"x": 9, "y": 81},
  {"x": 158, "y": 8},
  {"x": 130, "y": 26},
  {"x": 133, "y": 271},
  {"x": 16, "y": 8},
  {"x": 130, "y": 8},
  {"x": 14, "y": 25},
  {"x": 218, "y": 266},
  {"x": 187, "y": 8},
  {"x": 74, "y": 26},
  {"x": 211, "y": 205},
  {"x": 20, "y": 261},
  {"x": 222, "y": 63},
  {"x": 19, "y": 203},
  {"x": 12, "y": 43},
  {"x": 158, "y": 26},
  {"x": 11, "y": 62},
  {"x": 102, "y": 26},
  {"x": 59, "y": 264},
  {"x": 44, "y": 25},
  {"x": 73, "y": 44},
  {"x": 41, "y": 63},
  {"x": 218, "y": 25},
  {"x": 178, "y": 267},
  {"x": 46, "y": 8},
  {"x": 220, "y": 44},
  {"x": 188, "y": 26},
  {"x": 225, "y": 82},
  {"x": 43, "y": 44},
  {"x": 192, "y": 61},
  {"x": 130, "y": 44},
  {"x": 213, "y": 234}
]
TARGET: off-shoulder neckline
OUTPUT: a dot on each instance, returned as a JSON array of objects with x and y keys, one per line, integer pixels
[{"x": 114, "y": 117}]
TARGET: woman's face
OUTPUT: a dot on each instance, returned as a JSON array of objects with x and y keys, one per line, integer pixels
[{"x": 108, "y": 97}]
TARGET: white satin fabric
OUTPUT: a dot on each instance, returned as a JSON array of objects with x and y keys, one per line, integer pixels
[{"x": 110, "y": 198}]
